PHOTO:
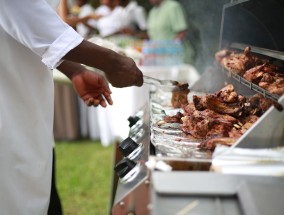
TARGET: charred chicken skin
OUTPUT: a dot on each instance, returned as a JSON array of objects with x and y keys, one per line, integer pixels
[
  {"x": 237, "y": 62},
  {"x": 272, "y": 84},
  {"x": 226, "y": 101},
  {"x": 179, "y": 95}
]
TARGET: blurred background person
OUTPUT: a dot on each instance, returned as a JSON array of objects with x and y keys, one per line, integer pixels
[
  {"x": 167, "y": 21},
  {"x": 136, "y": 20},
  {"x": 82, "y": 16},
  {"x": 105, "y": 7},
  {"x": 66, "y": 15},
  {"x": 124, "y": 17},
  {"x": 85, "y": 9},
  {"x": 112, "y": 22}
]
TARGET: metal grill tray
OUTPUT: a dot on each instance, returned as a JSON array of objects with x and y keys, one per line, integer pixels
[
  {"x": 256, "y": 88},
  {"x": 250, "y": 85},
  {"x": 168, "y": 138}
]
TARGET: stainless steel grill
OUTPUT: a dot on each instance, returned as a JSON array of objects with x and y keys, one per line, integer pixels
[{"x": 191, "y": 186}]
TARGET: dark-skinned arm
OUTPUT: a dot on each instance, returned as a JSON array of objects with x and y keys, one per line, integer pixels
[{"x": 121, "y": 71}]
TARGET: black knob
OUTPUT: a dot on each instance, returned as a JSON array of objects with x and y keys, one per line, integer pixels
[
  {"x": 124, "y": 166},
  {"x": 132, "y": 120},
  {"x": 127, "y": 146}
]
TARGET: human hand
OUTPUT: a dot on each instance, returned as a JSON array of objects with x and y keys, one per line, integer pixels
[
  {"x": 123, "y": 72},
  {"x": 92, "y": 88},
  {"x": 127, "y": 31},
  {"x": 95, "y": 16}
]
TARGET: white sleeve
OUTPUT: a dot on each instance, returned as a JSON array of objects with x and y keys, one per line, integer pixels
[
  {"x": 140, "y": 17},
  {"x": 37, "y": 26}
]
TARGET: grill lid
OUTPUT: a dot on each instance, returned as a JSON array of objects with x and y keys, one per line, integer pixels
[{"x": 255, "y": 22}]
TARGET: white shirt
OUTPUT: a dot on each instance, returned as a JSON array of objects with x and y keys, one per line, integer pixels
[
  {"x": 112, "y": 22},
  {"x": 103, "y": 10},
  {"x": 85, "y": 10},
  {"x": 33, "y": 38},
  {"x": 136, "y": 16},
  {"x": 132, "y": 16}
]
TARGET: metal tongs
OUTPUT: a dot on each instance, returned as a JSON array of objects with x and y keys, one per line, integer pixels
[
  {"x": 167, "y": 85},
  {"x": 155, "y": 81}
]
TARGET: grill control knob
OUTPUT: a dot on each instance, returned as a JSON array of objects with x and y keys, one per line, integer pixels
[
  {"x": 127, "y": 170},
  {"x": 127, "y": 146},
  {"x": 130, "y": 149},
  {"x": 132, "y": 120}
]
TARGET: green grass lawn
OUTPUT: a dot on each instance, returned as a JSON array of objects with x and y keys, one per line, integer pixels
[{"x": 84, "y": 176}]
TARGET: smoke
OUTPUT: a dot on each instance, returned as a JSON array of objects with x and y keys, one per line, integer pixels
[{"x": 204, "y": 21}]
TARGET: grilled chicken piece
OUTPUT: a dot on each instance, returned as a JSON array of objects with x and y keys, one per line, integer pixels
[
  {"x": 255, "y": 74},
  {"x": 272, "y": 84},
  {"x": 200, "y": 102},
  {"x": 174, "y": 119},
  {"x": 273, "y": 70},
  {"x": 207, "y": 123},
  {"x": 226, "y": 101},
  {"x": 238, "y": 62},
  {"x": 233, "y": 109},
  {"x": 247, "y": 122},
  {"x": 189, "y": 109},
  {"x": 257, "y": 105},
  {"x": 228, "y": 94},
  {"x": 179, "y": 98},
  {"x": 197, "y": 127},
  {"x": 222, "y": 54},
  {"x": 234, "y": 134},
  {"x": 241, "y": 128}
]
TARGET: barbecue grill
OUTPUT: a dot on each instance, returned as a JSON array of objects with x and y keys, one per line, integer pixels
[{"x": 168, "y": 174}]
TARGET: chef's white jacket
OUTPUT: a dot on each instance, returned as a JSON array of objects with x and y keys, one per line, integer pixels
[{"x": 33, "y": 41}]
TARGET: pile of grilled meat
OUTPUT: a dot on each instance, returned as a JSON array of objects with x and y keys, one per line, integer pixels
[
  {"x": 221, "y": 117},
  {"x": 224, "y": 116},
  {"x": 253, "y": 68}
]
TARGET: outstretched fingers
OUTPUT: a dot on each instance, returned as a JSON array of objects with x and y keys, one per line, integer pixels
[
  {"x": 107, "y": 96},
  {"x": 101, "y": 100}
]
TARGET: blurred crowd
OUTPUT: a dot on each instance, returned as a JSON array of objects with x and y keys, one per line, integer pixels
[
  {"x": 111, "y": 17},
  {"x": 125, "y": 22}
]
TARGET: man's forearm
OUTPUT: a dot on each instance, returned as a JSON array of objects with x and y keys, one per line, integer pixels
[
  {"x": 98, "y": 57},
  {"x": 120, "y": 70}
]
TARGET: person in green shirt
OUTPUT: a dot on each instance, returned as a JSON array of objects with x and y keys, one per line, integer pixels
[{"x": 167, "y": 21}]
